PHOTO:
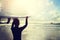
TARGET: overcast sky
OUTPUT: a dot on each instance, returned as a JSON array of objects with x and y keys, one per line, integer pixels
[{"x": 45, "y": 9}]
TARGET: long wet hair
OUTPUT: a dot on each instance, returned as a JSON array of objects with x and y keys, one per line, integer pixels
[{"x": 15, "y": 22}]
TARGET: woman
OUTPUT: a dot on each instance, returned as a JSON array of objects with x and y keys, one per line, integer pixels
[{"x": 16, "y": 30}]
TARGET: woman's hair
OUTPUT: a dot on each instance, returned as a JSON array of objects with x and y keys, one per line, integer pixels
[{"x": 16, "y": 22}]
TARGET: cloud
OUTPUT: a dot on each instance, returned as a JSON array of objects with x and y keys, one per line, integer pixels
[
  {"x": 43, "y": 9},
  {"x": 56, "y": 14}
]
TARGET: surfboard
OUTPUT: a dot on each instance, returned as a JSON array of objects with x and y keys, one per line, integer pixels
[{"x": 11, "y": 17}]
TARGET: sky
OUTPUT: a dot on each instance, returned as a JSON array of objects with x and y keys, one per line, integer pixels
[
  {"x": 57, "y": 6},
  {"x": 45, "y": 9},
  {"x": 57, "y": 3}
]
